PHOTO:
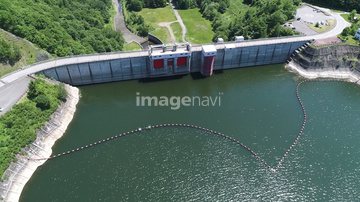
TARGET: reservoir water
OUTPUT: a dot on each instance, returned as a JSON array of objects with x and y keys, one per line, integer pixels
[{"x": 258, "y": 107}]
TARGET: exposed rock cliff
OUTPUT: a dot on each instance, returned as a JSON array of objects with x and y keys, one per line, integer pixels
[{"x": 339, "y": 57}]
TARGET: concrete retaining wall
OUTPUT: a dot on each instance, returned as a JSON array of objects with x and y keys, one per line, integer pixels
[{"x": 154, "y": 39}]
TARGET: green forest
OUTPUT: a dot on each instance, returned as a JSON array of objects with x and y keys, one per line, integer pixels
[
  {"x": 18, "y": 126},
  {"x": 347, "y": 5},
  {"x": 62, "y": 27}
]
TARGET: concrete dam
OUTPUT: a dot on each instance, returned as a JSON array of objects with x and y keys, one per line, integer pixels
[{"x": 165, "y": 60}]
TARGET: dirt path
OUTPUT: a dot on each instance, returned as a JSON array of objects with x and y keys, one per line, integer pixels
[
  {"x": 180, "y": 21},
  {"x": 167, "y": 25},
  {"x": 119, "y": 25}
]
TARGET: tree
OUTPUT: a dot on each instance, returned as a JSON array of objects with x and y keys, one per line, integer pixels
[
  {"x": 42, "y": 102},
  {"x": 135, "y": 5},
  {"x": 32, "y": 93},
  {"x": 222, "y": 7},
  {"x": 5, "y": 50},
  {"x": 15, "y": 54},
  {"x": 352, "y": 15},
  {"x": 62, "y": 93},
  {"x": 346, "y": 31},
  {"x": 276, "y": 31}
]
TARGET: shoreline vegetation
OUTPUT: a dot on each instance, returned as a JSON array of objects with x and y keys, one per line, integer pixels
[
  {"x": 18, "y": 127},
  {"x": 19, "y": 171}
]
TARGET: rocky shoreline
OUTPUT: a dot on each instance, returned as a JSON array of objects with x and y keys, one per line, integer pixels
[
  {"x": 352, "y": 76},
  {"x": 19, "y": 173}
]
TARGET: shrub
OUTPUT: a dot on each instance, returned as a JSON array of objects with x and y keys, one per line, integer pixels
[
  {"x": 135, "y": 5},
  {"x": 33, "y": 92},
  {"x": 62, "y": 93},
  {"x": 42, "y": 102}
]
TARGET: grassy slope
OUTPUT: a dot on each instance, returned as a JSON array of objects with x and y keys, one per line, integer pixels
[
  {"x": 198, "y": 29},
  {"x": 154, "y": 16},
  {"x": 163, "y": 34},
  {"x": 132, "y": 46},
  {"x": 28, "y": 53},
  {"x": 177, "y": 30},
  {"x": 346, "y": 17}
]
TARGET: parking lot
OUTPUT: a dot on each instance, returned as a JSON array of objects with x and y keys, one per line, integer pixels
[{"x": 306, "y": 15}]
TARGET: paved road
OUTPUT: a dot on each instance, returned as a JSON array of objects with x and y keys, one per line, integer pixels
[
  {"x": 341, "y": 23},
  {"x": 14, "y": 84},
  {"x": 119, "y": 25},
  {"x": 10, "y": 93}
]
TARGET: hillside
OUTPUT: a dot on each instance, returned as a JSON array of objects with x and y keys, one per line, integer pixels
[
  {"x": 63, "y": 27},
  {"x": 29, "y": 53}
]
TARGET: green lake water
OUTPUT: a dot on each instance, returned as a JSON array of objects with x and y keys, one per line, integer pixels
[{"x": 258, "y": 107}]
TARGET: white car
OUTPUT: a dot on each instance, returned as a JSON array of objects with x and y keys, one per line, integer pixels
[{"x": 1, "y": 109}]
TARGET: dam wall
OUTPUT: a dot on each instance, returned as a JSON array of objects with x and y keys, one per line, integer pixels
[{"x": 166, "y": 61}]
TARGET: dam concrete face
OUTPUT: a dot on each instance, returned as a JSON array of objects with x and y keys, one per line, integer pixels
[{"x": 169, "y": 60}]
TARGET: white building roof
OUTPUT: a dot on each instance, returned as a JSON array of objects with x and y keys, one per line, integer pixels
[{"x": 208, "y": 48}]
